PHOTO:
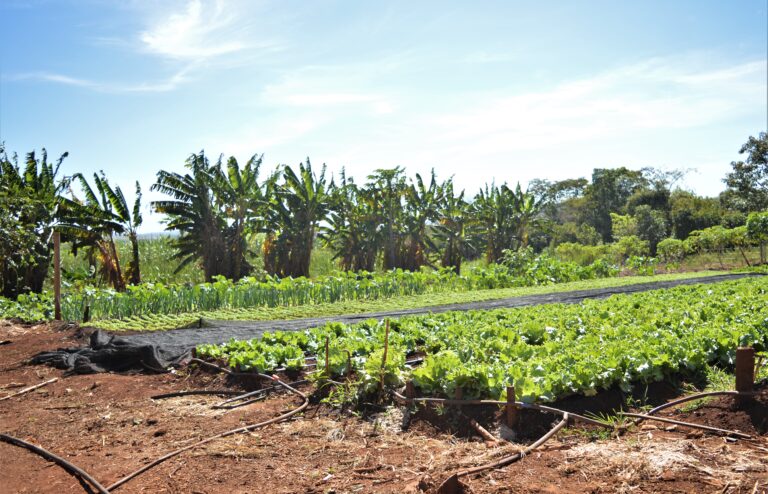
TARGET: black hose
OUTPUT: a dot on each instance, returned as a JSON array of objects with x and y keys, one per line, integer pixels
[{"x": 69, "y": 467}]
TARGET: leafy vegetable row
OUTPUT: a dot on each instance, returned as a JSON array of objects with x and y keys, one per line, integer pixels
[
  {"x": 141, "y": 300},
  {"x": 547, "y": 351}
]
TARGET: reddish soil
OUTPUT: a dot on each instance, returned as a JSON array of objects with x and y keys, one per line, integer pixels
[{"x": 108, "y": 425}]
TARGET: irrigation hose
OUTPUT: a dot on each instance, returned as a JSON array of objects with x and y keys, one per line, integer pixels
[
  {"x": 513, "y": 458},
  {"x": 518, "y": 404},
  {"x": 229, "y": 392},
  {"x": 69, "y": 467},
  {"x": 247, "y": 428},
  {"x": 688, "y": 424},
  {"x": 241, "y": 397}
]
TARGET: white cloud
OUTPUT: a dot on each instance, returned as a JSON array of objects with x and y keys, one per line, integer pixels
[
  {"x": 159, "y": 86},
  {"x": 199, "y": 31},
  {"x": 642, "y": 114}
]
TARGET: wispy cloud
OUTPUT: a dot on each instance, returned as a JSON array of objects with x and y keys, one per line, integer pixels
[
  {"x": 163, "y": 85},
  {"x": 199, "y": 31},
  {"x": 573, "y": 125},
  {"x": 193, "y": 36}
]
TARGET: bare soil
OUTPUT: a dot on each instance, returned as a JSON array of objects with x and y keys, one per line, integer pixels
[{"x": 109, "y": 425}]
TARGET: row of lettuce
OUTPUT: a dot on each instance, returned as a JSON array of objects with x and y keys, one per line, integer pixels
[
  {"x": 523, "y": 268},
  {"x": 547, "y": 352}
]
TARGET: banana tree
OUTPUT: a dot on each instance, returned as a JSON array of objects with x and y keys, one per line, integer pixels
[
  {"x": 95, "y": 221},
  {"x": 194, "y": 212},
  {"x": 32, "y": 206},
  {"x": 452, "y": 228},
  {"x": 297, "y": 207}
]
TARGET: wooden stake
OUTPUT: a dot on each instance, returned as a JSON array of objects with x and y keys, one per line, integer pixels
[
  {"x": 512, "y": 417},
  {"x": 384, "y": 358},
  {"x": 57, "y": 275},
  {"x": 386, "y": 345},
  {"x": 745, "y": 374},
  {"x": 327, "y": 363},
  {"x": 410, "y": 390},
  {"x": 31, "y": 388}
]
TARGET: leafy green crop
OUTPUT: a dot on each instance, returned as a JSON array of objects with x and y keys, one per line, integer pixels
[
  {"x": 152, "y": 299},
  {"x": 547, "y": 351}
]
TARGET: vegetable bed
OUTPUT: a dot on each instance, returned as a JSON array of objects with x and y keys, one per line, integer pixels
[{"x": 547, "y": 352}]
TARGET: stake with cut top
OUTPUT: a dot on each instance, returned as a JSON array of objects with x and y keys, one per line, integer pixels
[{"x": 745, "y": 374}]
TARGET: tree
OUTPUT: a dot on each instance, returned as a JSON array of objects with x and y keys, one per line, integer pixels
[
  {"x": 689, "y": 212},
  {"x": 352, "y": 229},
  {"x": 388, "y": 187},
  {"x": 608, "y": 193},
  {"x": 421, "y": 209},
  {"x": 31, "y": 200},
  {"x": 651, "y": 226},
  {"x": 95, "y": 221},
  {"x": 299, "y": 204},
  {"x": 757, "y": 231},
  {"x": 213, "y": 211},
  {"x": 505, "y": 218},
  {"x": 451, "y": 229},
  {"x": 748, "y": 182}
]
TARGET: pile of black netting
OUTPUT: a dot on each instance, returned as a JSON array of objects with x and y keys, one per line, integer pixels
[{"x": 110, "y": 353}]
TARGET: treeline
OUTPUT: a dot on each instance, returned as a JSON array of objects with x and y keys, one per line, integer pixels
[{"x": 388, "y": 220}]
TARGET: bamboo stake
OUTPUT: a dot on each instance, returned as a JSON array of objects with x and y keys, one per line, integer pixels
[
  {"x": 31, "y": 388},
  {"x": 57, "y": 275},
  {"x": 327, "y": 362}
]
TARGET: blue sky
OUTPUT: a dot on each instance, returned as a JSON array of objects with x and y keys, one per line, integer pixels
[{"x": 480, "y": 90}]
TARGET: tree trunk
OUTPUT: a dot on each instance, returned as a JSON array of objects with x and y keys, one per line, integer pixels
[{"x": 134, "y": 268}]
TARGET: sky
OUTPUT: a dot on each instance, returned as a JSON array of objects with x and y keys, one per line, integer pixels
[{"x": 482, "y": 91}]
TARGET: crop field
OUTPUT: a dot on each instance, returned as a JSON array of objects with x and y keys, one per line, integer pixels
[
  {"x": 158, "y": 307},
  {"x": 547, "y": 352}
]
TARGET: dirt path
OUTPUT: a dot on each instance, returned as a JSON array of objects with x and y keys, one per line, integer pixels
[{"x": 221, "y": 331}]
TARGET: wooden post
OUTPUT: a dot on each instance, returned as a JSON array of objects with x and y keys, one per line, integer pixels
[
  {"x": 745, "y": 373},
  {"x": 512, "y": 416},
  {"x": 384, "y": 359},
  {"x": 410, "y": 390},
  {"x": 386, "y": 346},
  {"x": 57, "y": 275},
  {"x": 327, "y": 363}
]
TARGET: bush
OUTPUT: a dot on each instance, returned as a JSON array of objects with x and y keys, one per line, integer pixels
[
  {"x": 671, "y": 250},
  {"x": 630, "y": 246},
  {"x": 757, "y": 231}
]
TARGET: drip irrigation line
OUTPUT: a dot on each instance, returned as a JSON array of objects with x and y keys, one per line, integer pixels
[
  {"x": 31, "y": 388},
  {"x": 238, "y": 405},
  {"x": 230, "y": 392},
  {"x": 512, "y": 458},
  {"x": 247, "y": 428},
  {"x": 253, "y": 393},
  {"x": 688, "y": 424},
  {"x": 69, "y": 467},
  {"x": 518, "y": 404},
  {"x": 691, "y": 398},
  {"x": 451, "y": 484},
  {"x": 210, "y": 365}
]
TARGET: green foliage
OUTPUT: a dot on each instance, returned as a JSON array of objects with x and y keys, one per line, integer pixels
[
  {"x": 215, "y": 212},
  {"x": 158, "y": 298},
  {"x": 28, "y": 307},
  {"x": 748, "y": 182},
  {"x": 549, "y": 351},
  {"x": 30, "y": 204},
  {"x": 651, "y": 226},
  {"x": 671, "y": 250},
  {"x": 757, "y": 231},
  {"x": 757, "y": 226}
]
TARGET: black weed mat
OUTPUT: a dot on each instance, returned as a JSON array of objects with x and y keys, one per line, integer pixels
[{"x": 215, "y": 331}]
